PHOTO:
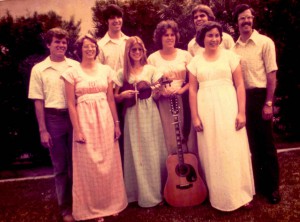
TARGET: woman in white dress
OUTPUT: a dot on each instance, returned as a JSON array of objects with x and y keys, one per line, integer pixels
[
  {"x": 144, "y": 144},
  {"x": 217, "y": 101}
]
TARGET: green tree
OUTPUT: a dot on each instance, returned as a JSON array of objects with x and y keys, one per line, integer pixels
[
  {"x": 22, "y": 46},
  {"x": 140, "y": 18}
]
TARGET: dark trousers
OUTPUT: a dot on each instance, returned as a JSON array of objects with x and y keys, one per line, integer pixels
[
  {"x": 60, "y": 128},
  {"x": 260, "y": 134}
]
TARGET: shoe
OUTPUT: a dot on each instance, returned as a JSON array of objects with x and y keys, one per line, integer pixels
[
  {"x": 274, "y": 198},
  {"x": 68, "y": 218}
]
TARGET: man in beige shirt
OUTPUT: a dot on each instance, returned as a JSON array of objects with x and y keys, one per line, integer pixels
[
  {"x": 258, "y": 60},
  {"x": 112, "y": 45}
]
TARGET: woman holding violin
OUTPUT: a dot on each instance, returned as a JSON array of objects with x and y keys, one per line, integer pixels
[
  {"x": 172, "y": 62},
  {"x": 144, "y": 144}
]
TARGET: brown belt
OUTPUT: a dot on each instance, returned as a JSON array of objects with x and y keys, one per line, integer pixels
[{"x": 54, "y": 111}]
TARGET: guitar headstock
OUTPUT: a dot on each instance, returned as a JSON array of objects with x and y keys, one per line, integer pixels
[{"x": 174, "y": 105}]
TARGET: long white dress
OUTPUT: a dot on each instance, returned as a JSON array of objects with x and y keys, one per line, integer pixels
[
  {"x": 145, "y": 151},
  {"x": 224, "y": 152}
]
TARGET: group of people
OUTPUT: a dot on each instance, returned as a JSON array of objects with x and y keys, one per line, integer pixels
[{"x": 107, "y": 121}]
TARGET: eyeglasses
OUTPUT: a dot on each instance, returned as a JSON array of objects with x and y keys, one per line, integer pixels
[
  {"x": 244, "y": 18},
  {"x": 136, "y": 49}
]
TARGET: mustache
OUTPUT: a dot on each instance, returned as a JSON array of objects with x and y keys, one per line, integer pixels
[{"x": 246, "y": 23}]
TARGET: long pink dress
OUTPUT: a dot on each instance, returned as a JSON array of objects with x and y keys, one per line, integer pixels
[{"x": 98, "y": 186}]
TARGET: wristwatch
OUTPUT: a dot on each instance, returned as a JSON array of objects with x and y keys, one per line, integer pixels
[{"x": 269, "y": 103}]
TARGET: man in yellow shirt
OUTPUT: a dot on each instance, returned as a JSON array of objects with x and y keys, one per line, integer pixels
[{"x": 258, "y": 60}]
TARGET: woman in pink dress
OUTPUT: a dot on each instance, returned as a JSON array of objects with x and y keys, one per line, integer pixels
[{"x": 98, "y": 186}]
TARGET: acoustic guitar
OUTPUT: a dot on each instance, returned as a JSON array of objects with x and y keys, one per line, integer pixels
[{"x": 184, "y": 186}]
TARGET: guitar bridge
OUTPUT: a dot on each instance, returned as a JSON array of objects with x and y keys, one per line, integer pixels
[{"x": 184, "y": 187}]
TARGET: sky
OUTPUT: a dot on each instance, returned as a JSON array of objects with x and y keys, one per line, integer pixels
[{"x": 80, "y": 9}]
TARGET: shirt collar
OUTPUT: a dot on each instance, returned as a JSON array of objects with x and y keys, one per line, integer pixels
[
  {"x": 254, "y": 38},
  {"x": 106, "y": 38},
  {"x": 48, "y": 64}
]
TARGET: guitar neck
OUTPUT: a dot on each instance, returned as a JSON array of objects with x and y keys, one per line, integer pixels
[
  {"x": 179, "y": 143},
  {"x": 175, "y": 113}
]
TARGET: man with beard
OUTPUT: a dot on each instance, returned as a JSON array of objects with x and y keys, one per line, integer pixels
[
  {"x": 258, "y": 60},
  {"x": 201, "y": 14}
]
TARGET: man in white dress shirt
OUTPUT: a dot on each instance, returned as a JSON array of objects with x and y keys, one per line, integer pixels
[
  {"x": 112, "y": 48},
  {"x": 112, "y": 45},
  {"x": 47, "y": 89}
]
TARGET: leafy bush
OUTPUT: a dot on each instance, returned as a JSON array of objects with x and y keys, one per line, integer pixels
[
  {"x": 21, "y": 43},
  {"x": 21, "y": 46}
]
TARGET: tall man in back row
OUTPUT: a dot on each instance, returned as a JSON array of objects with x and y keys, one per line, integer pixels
[
  {"x": 112, "y": 44},
  {"x": 258, "y": 60},
  {"x": 111, "y": 50},
  {"x": 47, "y": 89}
]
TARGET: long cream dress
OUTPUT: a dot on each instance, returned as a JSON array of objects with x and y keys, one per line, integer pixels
[
  {"x": 98, "y": 187},
  {"x": 224, "y": 152},
  {"x": 145, "y": 152}
]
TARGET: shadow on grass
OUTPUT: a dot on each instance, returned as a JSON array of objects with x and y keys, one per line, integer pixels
[{"x": 35, "y": 201}]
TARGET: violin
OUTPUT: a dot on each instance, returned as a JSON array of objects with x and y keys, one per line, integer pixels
[{"x": 144, "y": 89}]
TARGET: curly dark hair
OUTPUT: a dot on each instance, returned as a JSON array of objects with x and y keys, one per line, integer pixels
[
  {"x": 207, "y": 26},
  {"x": 111, "y": 11},
  {"x": 161, "y": 29}
]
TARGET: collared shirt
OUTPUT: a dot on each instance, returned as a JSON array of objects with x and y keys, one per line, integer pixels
[
  {"x": 46, "y": 82},
  {"x": 258, "y": 58},
  {"x": 194, "y": 48},
  {"x": 111, "y": 51}
]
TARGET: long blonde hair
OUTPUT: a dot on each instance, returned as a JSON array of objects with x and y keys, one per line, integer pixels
[{"x": 128, "y": 63}]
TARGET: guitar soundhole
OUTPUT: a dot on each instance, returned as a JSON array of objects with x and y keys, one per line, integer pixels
[
  {"x": 186, "y": 170},
  {"x": 182, "y": 170}
]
